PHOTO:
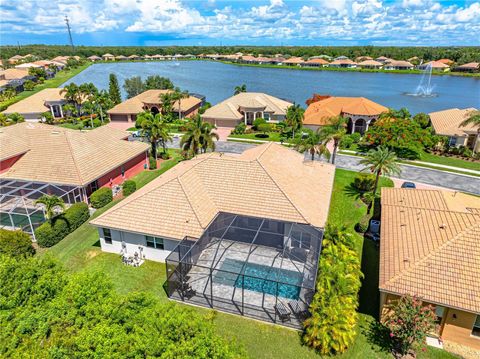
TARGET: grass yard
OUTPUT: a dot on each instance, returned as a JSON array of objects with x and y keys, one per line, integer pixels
[
  {"x": 80, "y": 251},
  {"x": 272, "y": 136},
  {"x": 59, "y": 79},
  {"x": 449, "y": 161}
]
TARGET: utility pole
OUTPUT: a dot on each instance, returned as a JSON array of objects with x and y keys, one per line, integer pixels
[{"x": 69, "y": 32}]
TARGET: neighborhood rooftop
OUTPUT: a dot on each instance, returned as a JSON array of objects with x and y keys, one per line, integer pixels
[
  {"x": 36, "y": 102},
  {"x": 448, "y": 122}
]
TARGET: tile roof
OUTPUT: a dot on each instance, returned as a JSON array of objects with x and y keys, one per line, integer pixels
[
  {"x": 135, "y": 104},
  {"x": 430, "y": 246},
  {"x": 470, "y": 65},
  {"x": 447, "y": 122},
  {"x": 319, "y": 112},
  {"x": 435, "y": 65},
  {"x": 343, "y": 62},
  {"x": 14, "y": 74},
  {"x": 317, "y": 61},
  {"x": 370, "y": 63},
  {"x": 294, "y": 60},
  {"x": 267, "y": 181},
  {"x": 64, "y": 156},
  {"x": 399, "y": 63},
  {"x": 229, "y": 108},
  {"x": 36, "y": 102}
]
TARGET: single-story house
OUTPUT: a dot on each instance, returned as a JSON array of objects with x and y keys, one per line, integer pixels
[
  {"x": 429, "y": 247},
  {"x": 27, "y": 65},
  {"x": 315, "y": 63},
  {"x": 370, "y": 64},
  {"x": 134, "y": 57},
  {"x": 360, "y": 111},
  {"x": 470, "y": 67},
  {"x": 64, "y": 59},
  {"x": 434, "y": 65},
  {"x": 38, "y": 159},
  {"x": 46, "y": 64},
  {"x": 383, "y": 59},
  {"x": 398, "y": 65},
  {"x": 342, "y": 57},
  {"x": 14, "y": 59},
  {"x": 447, "y": 123},
  {"x": 14, "y": 78},
  {"x": 246, "y": 107},
  {"x": 108, "y": 57},
  {"x": 446, "y": 61},
  {"x": 294, "y": 61},
  {"x": 121, "y": 58},
  {"x": 344, "y": 63},
  {"x": 124, "y": 114},
  {"x": 32, "y": 107},
  {"x": 94, "y": 58},
  {"x": 363, "y": 58}
]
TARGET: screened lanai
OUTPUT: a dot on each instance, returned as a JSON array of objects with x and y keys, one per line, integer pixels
[
  {"x": 251, "y": 266},
  {"x": 17, "y": 202}
]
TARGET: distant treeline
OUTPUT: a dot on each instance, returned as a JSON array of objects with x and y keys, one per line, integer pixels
[{"x": 457, "y": 54}]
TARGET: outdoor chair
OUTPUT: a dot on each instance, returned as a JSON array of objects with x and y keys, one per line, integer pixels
[
  {"x": 298, "y": 309},
  {"x": 282, "y": 311}
]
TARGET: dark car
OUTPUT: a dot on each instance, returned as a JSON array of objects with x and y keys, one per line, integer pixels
[{"x": 408, "y": 185}]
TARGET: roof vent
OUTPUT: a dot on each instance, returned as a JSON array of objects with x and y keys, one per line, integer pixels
[
  {"x": 443, "y": 226},
  {"x": 406, "y": 259},
  {"x": 55, "y": 132},
  {"x": 403, "y": 225}
]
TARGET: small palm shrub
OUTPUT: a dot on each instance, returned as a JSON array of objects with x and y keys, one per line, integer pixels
[
  {"x": 129, "y": 187},
  {"x": 101, "y": 197},
  {"x": 364, "y": 182},
  {"x": 152, "y": 163},
  {"x": 15, "y": 244}
]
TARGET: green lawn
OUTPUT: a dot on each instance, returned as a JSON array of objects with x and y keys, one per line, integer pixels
[
  {"x": 449, "y": 161},
  {"x": 272, "y": 136},
  {"x": 59, "y": 79},
  {"x": 80, "y": 251},
  {"x": 146, "y": 176}
]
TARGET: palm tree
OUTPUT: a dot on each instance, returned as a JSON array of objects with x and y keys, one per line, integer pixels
[
  {"x": 294, "y": 118},
  {"x": 167, "y": 100},
  {"x": 178, "y": 95},
  {"x": 15, "y": 118},
  {"x": 73, "y": 94},
  {"x": 381, "y": 161},
  {"x": 54, "y": 206},
  {"x": 334, "y": 131},
  {"x": 239, "y": 89},
  {"x": 312, "y": 144},
  {"x": 473, "y": 119},
  {"x": 4, "y": 120},
  {"x": 199, "y": 136},
  {"x": 155, "y": 128}
]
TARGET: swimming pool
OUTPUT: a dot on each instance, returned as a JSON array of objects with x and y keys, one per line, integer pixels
[{"x": 259, "y": 278}]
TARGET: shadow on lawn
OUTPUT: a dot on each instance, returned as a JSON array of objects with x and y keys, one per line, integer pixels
[{"x": 369, "y": 295}]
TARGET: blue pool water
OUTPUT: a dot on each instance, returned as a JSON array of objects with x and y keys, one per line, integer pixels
[{"x": 259, "y": 278}]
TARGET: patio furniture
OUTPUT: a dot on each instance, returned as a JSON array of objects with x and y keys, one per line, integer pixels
[
  {"x": 298, "y": 309},
  {"x": 282, "y": 311}
]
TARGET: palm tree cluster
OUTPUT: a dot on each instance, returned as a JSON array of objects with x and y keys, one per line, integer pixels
[
  {"x": 53, "y": 206},
  {"x": 200, "y": 136},
  {"x": 168, "y": 100},
  {"x": 155, "y": 129},
  {"x": 240, "y": 89},
  {"x": 331, "y": 328}
]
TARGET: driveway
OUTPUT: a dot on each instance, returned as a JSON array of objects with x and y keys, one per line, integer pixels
[{"x": 223, "y": 133}]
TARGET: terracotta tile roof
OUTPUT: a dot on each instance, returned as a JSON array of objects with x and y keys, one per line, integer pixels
[
  {"x": 429, "y": 246},
  {"x": 447, "y": 122},
  {"x": 63, "y": 156},
  {"x": 229, "y": 108},
  {"x": 370, "y": 63},
  {"x": 446, "y": 61},
  {"x": 319, "y": 112},
  {"x": 399, "y": 63},
  {"x": 434, "y": 65},
  {"x": 268, "y": 181},
  {"x": 343, "y": 62},
  {"x": 14, "y": 74},
  {"x": 470, "y": 65},
  {"x": 36, "y": 102},
  {"x": 317, "y": 61},
  {"x": 294, "y": 60},
  {"x": 135, "y": 104}
]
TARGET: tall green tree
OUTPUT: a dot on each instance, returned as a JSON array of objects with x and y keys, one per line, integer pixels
[
  {"x": 199, "y": 136},
  {"x": 54, "y": 206},
  {"x": 133, "y": 86},
  {"x": 334, "y": 131},
  {"x": 156, "y": 82},
  {"x": 240, "y": 89},
  {"x": 114, "y": 89},
  {"x": 178, "y": 96},
  {"x": 155, "y": 128},
  {"x": 73, "y": 94},
  {"x": 380, "y": 161},
  {"x": 167, "y": 99},
  {"x": 294, "y": 118},
  {"x": 312, "y": 143}
]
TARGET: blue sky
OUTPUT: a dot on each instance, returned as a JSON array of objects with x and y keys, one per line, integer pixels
[{"x": 216, "y": 22}]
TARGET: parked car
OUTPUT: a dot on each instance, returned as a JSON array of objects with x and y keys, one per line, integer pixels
[{"x": 408, "y": 185}]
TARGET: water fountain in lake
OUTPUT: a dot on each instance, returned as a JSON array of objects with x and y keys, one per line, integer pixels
[{"x": 425, "y": 87}]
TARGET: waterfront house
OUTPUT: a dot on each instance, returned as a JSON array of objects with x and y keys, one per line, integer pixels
[
  {"x": 370, "y": 64},
  {"x": 94, "y": 58},
  {"x": 14, "y": 78},
  {"x": 124, "y": 114},
  {"x": 383, "y": 59},
  {"x": 360, "y": 111},
  {"x": 429, "y": 247},
  {"x": 246, "y": 107},
  {"x": 447, "y": 123},
  {"x": 108, "y": 57},
  {"x": 134, "y": 57},
  {"x": 434, "y": 65},
  {"x": 318, "y": 62},
  {"x": 121, "y": 58},
  {"x": 363, "y": 58},
  {"x": 210, "y": 217},
  {"x": 294, "y": 61},
  {"x": 14, "y": 59},
  {"x": 341, "y": 58},
  {"x": 399, "y": 65},
  {"x": 470, "y": 67},
  {"x": 446, "y": 62},
  {"x": 37, "y": 159},
  {"x": 343, "y": 63}
]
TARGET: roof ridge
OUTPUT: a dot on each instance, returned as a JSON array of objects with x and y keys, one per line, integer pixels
[
  {"x": 72, "y": 153},
  {"x": 434, "y": 209},
  {"x": 430, "y": 254}
]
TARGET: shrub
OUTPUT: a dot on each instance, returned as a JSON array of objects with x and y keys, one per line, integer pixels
[
  {"x": 52, "y": 232},
  {"x": 258, "y": 122},
  {"x": 101, "y": 197},
  {"x": 15, "y": 243},
  {"x": 356, "y": 137},
  {"x": 239, "y": 129},
  {"x": 364, "y": 182},
  {"x": 164, "y": 155},
  {"x": 264, "y": 127},
  {"x": 362, "y": 225},
  {"x": 28, "y": 85},
  {"x": 152, "y": 163},
  {"x": 408, "y": 153},
  {"x": 129, "y": 187},
  {"x": 346, "y": 142}
]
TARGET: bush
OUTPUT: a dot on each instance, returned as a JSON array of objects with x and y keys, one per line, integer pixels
[
  {"x": 408, "y": 153},
  {"x": 239, "y": 129},
  {"x": 15, "y": 243},
  {"x": 164, "y": 155},
  {"x": 355, "y": 137},
  {"x": 152, "y": 163},
  {"x": 346, "y": 142},
  {"x": 52, "y": 232},
  {"x": 364, "y": 182},
  {"x": 101, "y": 197},
  {"x": 264, "y": 127},
  {"x": 129, "y": 187},
  {"x": 257, "y": 122},
  {"x": 362, "y": 225},
  {"x": 28, "y": 85}
]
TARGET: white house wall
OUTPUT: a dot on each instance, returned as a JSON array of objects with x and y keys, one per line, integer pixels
[{"x": 133, "y": 243}]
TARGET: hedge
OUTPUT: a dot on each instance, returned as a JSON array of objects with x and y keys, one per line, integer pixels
[
  {"x": 15, "y": 243},
  {"x": 52, "y": 232},
  {"x": 101, "y": 197},
  {"x": 129, "y": 187}
]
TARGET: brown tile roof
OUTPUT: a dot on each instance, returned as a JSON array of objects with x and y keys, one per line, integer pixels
[
  {"x": 429, "y": 246},
  {"x": 446, "y": 61},
  {"x": 135, "y": 104},
  {"x": 319, "y": 112},
  {"x": 447, "y": 122},
  {"x": 343, "y": 62},
  {"x": 36, "y": 102},
  {"x": 294, "y": 60},
  {"x": 435, "y": 65},
  {"x": 470, "y": 65},
  {"x": 370, "y": 63},
  {"x": 317, "y": 61},
  {"x": 268, "y": 181},
  {"x": 14, "y": 74},
  {"x": 399, "y": 63},
  {"x": 63, "y": 156}
]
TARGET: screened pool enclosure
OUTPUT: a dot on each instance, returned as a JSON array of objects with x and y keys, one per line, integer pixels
[{"x": 260, "y": 268}]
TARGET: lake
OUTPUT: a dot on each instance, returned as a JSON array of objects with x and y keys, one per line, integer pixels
[{"x": 216, "y": 81}]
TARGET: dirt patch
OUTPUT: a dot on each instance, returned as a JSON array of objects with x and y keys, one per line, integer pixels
[{"x": 92, "y": 254}]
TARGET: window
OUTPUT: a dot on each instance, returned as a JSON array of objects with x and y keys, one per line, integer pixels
[
  {"x": 439, "y": 312},
  {"x": 266, "y": 116},
  {"x": 107, "y": 236},
  {"x": 154, "y": 242},
  {"x": 452, "y": 141},
  {"x": 476, "y": 327},
  {"x": 94, "y": 185}
]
